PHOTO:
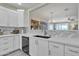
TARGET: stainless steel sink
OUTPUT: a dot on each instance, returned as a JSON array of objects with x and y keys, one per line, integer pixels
[{"x": 41, "y": 36}]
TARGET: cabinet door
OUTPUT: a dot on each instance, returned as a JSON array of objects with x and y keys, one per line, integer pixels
[
  {"x": 33, "y": 46},
  {"x": 70, "y": 50},
  {"x": 6, "y": 45},
  {"x": 10, "y": 38},
  {"x": 13, "y": 19},
  {"x": 42, "y": 47},
  {"x": 56, "y": 49},
  {"x": 20, "y": 18},
  {"x": 3, "y": 17},
  {"x": 16, "y": 42}
]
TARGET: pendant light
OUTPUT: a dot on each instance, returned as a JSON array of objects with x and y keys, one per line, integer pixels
[
  {"x": 19, "y": 3},
  {"x": 66, "y": 12},
  {"x": 51, "y": 17}
]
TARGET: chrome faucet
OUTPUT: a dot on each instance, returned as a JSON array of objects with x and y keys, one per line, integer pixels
[{"x": 45, "y": 32}]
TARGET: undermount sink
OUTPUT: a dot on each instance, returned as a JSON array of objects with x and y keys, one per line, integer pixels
[{"x": 41, "y": 36}]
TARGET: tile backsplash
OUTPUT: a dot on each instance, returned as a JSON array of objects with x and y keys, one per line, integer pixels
[
  {"x": 63, "y": 33},
  {"x": 8, "y": 30}
]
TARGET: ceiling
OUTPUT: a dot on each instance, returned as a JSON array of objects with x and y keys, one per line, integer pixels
[
  {"x": 44, "y": 11},
  {"x": 25, "y": 5},
  {"x": 57, "y": 9},
  {"x": 22, "y": 6}
]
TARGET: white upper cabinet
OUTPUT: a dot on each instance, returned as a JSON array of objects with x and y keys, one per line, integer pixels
[
  {"x": 13, "y": 19},
  {"x": 3, "y": 16},
  {"x": 20, "y": 18}
]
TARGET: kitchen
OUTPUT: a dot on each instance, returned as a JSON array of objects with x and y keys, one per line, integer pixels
[{"x": 39, "y": 29}]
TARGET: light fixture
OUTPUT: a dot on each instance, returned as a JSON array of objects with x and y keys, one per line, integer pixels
[
  {"x": 19, "y": 3},
  {"x": 67, "y": 17},
  {"x": 51, "y": 17}
]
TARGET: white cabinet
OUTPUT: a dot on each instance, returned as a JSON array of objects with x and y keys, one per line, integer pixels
[
  {"x": 38, "y": 47},
  {"x": 16, "y": 42},
  {"x": 6, "y": 45},
  {"x": 9, "y": 44},
  {"x": 33, "y": 45},
  {"x": 71, "y": 51},
  {"x": 56, "y": 49},
  {"x": 13, "y": 19},
  {"x": 42, "y": 47},
  {"x": 20, "y": 18},
  {"x": 3, "y": 16}
]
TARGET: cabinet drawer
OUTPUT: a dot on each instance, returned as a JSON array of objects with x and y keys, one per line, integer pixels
[
  {"x": 71, "y": 50},
  {"x": 55, "y": 45},
  {"x": 4, "y": 50},
  {"x": 56, "y": 49},
  {"x": 5, "y": 45},
  {"x": 3, "y": 40}
]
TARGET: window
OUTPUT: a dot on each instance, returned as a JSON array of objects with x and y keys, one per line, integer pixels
[
  {"x": 61, "y": 26},
  {"x": 50, "y": 27},
  {"x": 58, "y": 26}
]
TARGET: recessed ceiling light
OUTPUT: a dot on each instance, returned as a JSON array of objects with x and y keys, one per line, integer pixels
[{"x": 19, "y": 3}]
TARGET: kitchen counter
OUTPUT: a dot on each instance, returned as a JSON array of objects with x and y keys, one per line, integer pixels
[
  {"x": 64, "y": 40},
  {"x": 9, "y": 35}
]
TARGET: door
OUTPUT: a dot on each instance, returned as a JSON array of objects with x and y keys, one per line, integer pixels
[
  {"x": 33, "y": 46},
  {"x": 42, "y": 47}
]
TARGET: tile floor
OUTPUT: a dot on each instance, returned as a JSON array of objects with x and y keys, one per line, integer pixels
[{"x": 17, "y": 53}]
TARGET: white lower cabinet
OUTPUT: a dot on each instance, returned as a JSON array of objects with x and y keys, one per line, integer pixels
[
  {"x": 71, "y": 51},
  {"x": 6, "y": 45},
  {"x": 33, "y": 46},
  {"x": 38, "y": 47},
  {"x": 56, "y": 49},
  {"x": 16, "y": 42},
  {"x": 42, "y": 47},
  {"x": 9, "y": 44}
]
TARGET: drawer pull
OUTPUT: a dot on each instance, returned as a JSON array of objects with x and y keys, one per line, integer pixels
[
  {"x": 5, "y": 49},
  {"x": 73, "y": 51},
  {"x": 5, "y": 43},
  {"x": 55, "y": 46}
]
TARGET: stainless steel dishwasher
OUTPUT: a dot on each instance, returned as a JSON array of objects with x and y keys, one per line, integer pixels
[{"x": 25, "y": 44}]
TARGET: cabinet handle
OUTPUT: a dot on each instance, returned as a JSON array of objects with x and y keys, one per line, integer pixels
[
  {"x": 5, "y": 43},
  {"x": 55, "y": 46},
  {"x": 73, "y": 51},
  {"x": 49, "y": 52},
  {"x": 5, "y": 49}
]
